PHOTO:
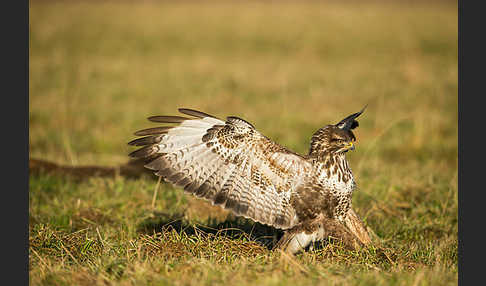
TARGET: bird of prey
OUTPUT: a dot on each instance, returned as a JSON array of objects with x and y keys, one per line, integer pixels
[{"x": 231, "y": 164}]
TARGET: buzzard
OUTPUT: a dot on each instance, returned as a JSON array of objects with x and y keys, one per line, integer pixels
[{"x": 231, "y": 164}]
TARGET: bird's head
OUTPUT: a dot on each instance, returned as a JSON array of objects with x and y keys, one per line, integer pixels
[{"x": 336, "y": 138}]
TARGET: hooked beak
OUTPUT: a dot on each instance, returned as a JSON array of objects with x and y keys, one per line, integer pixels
[{"x": 350, "y": 146}]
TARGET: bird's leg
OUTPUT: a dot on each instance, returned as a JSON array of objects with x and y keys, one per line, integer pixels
[
  {"x": 295, "y": 240},
  {"x": 300, "y": 236},
  {"x": 284, "y": 240},
  {"x": 355, "y": 225},
  {"x": 335, "y": 229}
]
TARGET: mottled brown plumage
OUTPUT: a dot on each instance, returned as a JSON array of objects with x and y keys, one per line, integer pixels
[{"x": 231, "y": 164}]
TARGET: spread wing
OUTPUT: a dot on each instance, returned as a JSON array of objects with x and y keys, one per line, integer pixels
[{"x": 226, "y": 162}]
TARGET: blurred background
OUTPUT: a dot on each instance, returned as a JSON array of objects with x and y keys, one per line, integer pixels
[{"x": 98, "y": 69}]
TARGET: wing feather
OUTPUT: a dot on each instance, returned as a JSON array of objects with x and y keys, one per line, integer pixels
[
  {"x": 168, "y": 119},
  {"x": 152, "y": 131},
  {"x": 226, "y": 162},
  {"x": 195, "y": 113}
]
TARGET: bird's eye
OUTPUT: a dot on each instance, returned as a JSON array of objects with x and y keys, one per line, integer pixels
[{"x": 339, "y": 140}]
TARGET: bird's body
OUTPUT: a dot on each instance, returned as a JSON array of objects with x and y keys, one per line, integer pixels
[{"x": 231, "y": 164}]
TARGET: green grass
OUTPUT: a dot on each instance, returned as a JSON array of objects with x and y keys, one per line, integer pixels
[{"x": 98, "y": 70}]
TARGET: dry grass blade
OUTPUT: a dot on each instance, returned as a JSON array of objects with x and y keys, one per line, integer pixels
[
  {"x": 289, "y": 258},
  {"x": 156, "y": 189},
  {"x": 40, "y": 258}
]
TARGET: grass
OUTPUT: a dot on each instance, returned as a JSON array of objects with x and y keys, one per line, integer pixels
[{"x": 97, "y": 70}]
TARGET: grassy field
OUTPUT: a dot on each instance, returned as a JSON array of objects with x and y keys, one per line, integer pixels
[{"x": 97, "y": 71}]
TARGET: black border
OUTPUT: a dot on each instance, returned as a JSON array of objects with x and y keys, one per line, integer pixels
[
  {"x": 15, "y": 119},
  {"x": 471, "y": 175}
]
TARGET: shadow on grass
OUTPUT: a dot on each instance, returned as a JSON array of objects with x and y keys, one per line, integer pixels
[
  {"x": 132, "y": 169},
  {"x": 234, "y": 228}
]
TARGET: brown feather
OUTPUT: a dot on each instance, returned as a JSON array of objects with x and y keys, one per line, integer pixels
[
  {"x": 145, "y": 141},
  {"x": 168, "y": 119},
  {"x": 144, "y": 152},
  {"x": 195, "y": 113},
  {"x": 153, "y": 131}
]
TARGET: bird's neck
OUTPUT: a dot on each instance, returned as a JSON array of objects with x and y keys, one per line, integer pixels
[
  {"x": 329, "y": 158},
  {"x": 334, "y": 166}
]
